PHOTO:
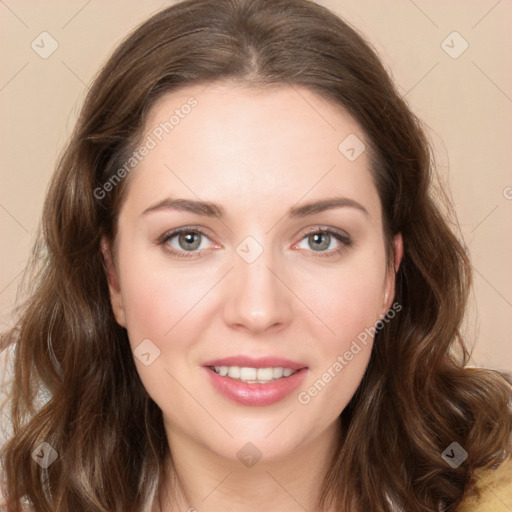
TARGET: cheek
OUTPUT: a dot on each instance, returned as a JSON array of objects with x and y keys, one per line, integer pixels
[
  {"x": 158, "y": 298},
  {"x": 347, "y": 299},
  {"x": 159, "y": 308},
  {"x": 341, "y": 358},
  {"x": 349, "y": 302}
]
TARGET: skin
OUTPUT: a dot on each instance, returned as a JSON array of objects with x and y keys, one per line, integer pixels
[{"x": 256, "y": 153}]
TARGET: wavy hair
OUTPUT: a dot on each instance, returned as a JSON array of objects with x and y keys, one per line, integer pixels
[{"x": 417, "y": 395}]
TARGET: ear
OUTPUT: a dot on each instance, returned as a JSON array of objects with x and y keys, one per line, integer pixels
[
  {"x": 116, "y": 299},
  {"x": 394, "y": 265}
]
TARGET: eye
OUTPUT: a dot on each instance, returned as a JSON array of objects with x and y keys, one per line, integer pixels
[
  {"x": 188, "y": 242},
  {"x": 184, "y": 242},
  {"x": 326, "y": 242}
]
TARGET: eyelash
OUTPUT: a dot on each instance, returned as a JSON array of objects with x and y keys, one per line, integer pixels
[{"x": 345, "y": 241}]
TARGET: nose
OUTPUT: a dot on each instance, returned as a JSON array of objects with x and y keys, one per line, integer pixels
[{"x": 257, "y": 298}]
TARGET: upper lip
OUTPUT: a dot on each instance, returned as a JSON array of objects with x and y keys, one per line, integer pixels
[{"x": 255, "y": 362}]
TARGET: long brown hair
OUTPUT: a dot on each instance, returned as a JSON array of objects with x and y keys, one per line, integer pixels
[{"x": 416, "y": 397}]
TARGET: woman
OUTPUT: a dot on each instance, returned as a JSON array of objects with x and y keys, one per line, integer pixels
[{"x": 246, "y": 296}]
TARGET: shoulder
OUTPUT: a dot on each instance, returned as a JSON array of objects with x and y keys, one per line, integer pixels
[{"x": 495, "y": 491}]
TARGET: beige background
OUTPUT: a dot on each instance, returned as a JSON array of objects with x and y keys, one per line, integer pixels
[{"x": 466, "y": 103}]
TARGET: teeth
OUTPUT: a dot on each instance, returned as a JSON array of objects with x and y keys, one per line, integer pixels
[
  {"x": 253, "y": 375},
  {"x": 234, "y": 372},
  {"x": 265, "y": 374},
  {"x": 278, "y": 373},
  {"x": 247, "y": 374}
]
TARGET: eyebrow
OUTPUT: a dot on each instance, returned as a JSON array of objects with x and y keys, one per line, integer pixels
[{"x": 209, "y": 209}]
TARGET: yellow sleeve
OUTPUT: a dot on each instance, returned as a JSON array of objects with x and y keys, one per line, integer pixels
[{"x": 495, "y": 488}]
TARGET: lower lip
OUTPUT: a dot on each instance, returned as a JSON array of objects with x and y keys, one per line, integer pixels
[{"x": 256, "y": 394}]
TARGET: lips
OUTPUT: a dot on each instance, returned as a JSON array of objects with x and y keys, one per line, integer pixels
[{"x": 255, "y": 393}]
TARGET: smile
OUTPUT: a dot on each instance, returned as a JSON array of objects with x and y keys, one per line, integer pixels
[{"x": 253, "y": 375}]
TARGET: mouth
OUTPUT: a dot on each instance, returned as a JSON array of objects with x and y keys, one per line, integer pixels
[{"x": 255, "y": 382}]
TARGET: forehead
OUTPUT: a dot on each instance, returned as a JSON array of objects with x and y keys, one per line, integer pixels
[{"x": 235, "y": 144}]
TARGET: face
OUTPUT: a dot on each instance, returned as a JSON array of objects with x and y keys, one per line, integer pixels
[{"x": 250, "y": 266}]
